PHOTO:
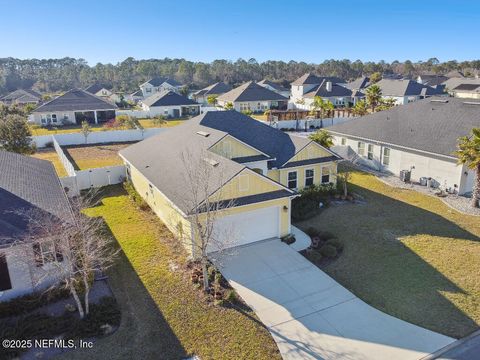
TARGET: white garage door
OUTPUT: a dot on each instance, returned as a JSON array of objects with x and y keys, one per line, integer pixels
[{"x": 248, "y": 227}]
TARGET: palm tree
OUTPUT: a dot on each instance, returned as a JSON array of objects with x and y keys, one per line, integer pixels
[
  {"x": 360, "y": 108},
  {"x": 468, "y": 153},
  {"x": 212, "y": 100},
  {"x": 374, "y": 96},
  {"x": 322, "y": 137},
  {"x": 321, "y": 105}
]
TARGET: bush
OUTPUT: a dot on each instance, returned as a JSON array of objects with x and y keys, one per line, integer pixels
[
  {"x": 49, "y": 144},
  {"x": 135, "y": 196},
  {"x": 311, "y": 231},
  {"x": 247, "y": 112},
  {"x": 314, "y": 256},
  {"x": 328, "y": 251},
  {"x": 231, "y": 296},
  {"x": 336, "y": 243},
  {"x": 325, "y": 235}
]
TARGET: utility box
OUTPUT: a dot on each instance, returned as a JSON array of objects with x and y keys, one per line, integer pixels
[{"x": 405, "y": 175}]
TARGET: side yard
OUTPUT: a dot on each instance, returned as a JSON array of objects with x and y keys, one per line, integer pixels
[
  {"x": 163, "y": 316},
  {"x": 52, "y": 156},
  {"x": 407, "y": 254},
  {"x": 94, "y": 156}
]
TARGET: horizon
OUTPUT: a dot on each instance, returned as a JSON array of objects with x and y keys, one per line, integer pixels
[{"x": 108, "y": 32}]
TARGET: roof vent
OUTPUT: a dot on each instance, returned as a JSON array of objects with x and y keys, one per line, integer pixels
[
  {"x": 203, "y": 133},
  {"x": 471, "y": 103},
  {"x": 439, "y": 101},
  {"x": 212, "y": 162}
]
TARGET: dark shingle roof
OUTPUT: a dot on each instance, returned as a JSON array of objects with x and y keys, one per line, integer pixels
[
  {"x": 359, "y": 83},
  {"x": 311, "y": 79},
  {"x": 25, "y": 94},
  {"x": 276, "y": 86},
  {"x": 405, "y": 88},
  {"x": 93, "y": 89},
  {"x": 168, "y": 98},
  {"x": 433, "y": 125},
  {"x": 467, "y": 87},
  {"x": 76, "y": 100},
  {"x": 214, "y": 89},
  {"x": 433, "y": 80},
  {"x": 27, "y": 183},
  {"x": 158, "y": 80},
  {"x": 251, "y": 91},
  {"x": 164, "y": 151},
  {"x": 321, "y": 90}
]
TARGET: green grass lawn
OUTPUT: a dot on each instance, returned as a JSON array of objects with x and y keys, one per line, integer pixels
[
  {"x": 64, "y": 129},
  {"x": 407, "y": 254},
  {"x": 52, "y": 156},
  {"x": 149, "y": 123},
  {"x": 163, "y": 316}
]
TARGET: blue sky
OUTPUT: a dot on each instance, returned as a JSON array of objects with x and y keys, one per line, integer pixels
[{"x": 301, "y": 30}]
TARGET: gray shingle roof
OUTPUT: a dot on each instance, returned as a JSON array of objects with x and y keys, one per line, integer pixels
[
  {"x": 311, "y": 79},
  {"x": 158, "y": 80},
  {"x": 251, "y": 91},
  {"x": 94, "y": 88},
  {"x": 167, "y": 98},
  {"x": 359, "y": 83},
  {"x": 214, "y": 89},
  {"x": 433, "y": 80},
  {"x": 276, "y": 86},
  {"x": 392, "y": 87},
  {"x": 159, "y": 158},
  {"x": 76, "y": 100},
  {"x": 27, "y": 183},
  {"x": 321, "y": 90},
  {"x": 433, "y": 125},
  {"x": 468, "y": 87},
  {"x": 26, "y": 94}
]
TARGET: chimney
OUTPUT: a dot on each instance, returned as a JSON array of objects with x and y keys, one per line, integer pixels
[{"x": 329, "y": 86}]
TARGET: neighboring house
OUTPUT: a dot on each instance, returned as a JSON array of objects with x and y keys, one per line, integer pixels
[
  {"x": 102, "y": 92},
  {"x": 431, "y": 80},
  {"x": 170, "y": 104},
  {"x": 273, "y": 86},
  {"x": 217, "y": 89},
  {"x": 27, "y": 185},
  {"x": 136, "y": 96},
  {"x": 303, "y": 89},
  {"x": 452, "y": 83},
  {"x": 421, "y": 137},
  {"x": 407, "y": 91},
  {"x": 258, "y": 167},
  {"x": 359, "y": 84},
  {"x": 22, "y": 97},
  {"x": 159, "y": 84},
  {"x": 467, "y": 91},
  {"x": 253, "y": 97},
  {"x": 73, "y": 107}
]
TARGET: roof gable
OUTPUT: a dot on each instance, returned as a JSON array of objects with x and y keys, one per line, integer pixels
[
  {"x": 76, "y": 100},
  {"x": 251, "y": 91},
  {"x": 167, "y": 98}
]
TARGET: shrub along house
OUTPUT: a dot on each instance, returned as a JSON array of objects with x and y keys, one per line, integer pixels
[
  {"x": 73, "y": 107},
  {"x": 420, "y": 137},
  {"x": 253, "y": 97},
  {"x": 24, "y": 260},
  {"x": 260, "y": 168},
  {"x": 171, "y": 105}
]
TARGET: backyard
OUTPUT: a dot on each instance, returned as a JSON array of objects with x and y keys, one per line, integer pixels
[
  {"x": 94, "y": 156},
  {"x": 163, "y": 315},
  {"x": 407, "y": 254},
  {"x": 52, "y": 156}
]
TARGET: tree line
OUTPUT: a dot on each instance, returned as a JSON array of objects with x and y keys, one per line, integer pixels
[{"x": 55, "y": 75}]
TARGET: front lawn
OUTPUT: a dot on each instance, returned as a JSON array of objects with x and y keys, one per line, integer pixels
[
  {"x": 407, "y": 254},
  {"x": 163, "y": 316}
]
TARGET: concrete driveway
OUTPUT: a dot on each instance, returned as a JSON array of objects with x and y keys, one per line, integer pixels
[{"x": 311, "y": 316}]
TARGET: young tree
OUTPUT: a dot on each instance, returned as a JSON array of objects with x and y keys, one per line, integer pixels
[
  {"x": 81, "y": 244},
  {"x": 360, "y": 108},
  {"x": 212, "y": 100},
  {"x": 345, "y": 178},
  {"x": 373, "y": 95},
  {"x": 207, "y": 203},
  {"x": 323, "y": 106},
  {"x": 375, "y": 77},
  {"x": 15, "y": 135},
  {"x": 386, "y": 104},
  {"x": 468, "y": 153},
  {"x": 322, "y": 137},
  {"x": 228, "y": 106},
  {"x": 86, "y": 129}
]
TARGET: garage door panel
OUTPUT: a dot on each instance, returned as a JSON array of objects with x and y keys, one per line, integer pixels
[{"x": 247, "y": 227}]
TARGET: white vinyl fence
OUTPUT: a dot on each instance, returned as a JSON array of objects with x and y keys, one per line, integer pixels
[{"x": 306, "y": 124}]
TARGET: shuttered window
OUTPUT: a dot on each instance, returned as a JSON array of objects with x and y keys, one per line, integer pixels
[{"x": 5, "y": 283}]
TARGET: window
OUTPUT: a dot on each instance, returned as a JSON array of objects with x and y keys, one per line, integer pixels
[
  {"x": 370, "y": 152},
  {"x": 46, "y": 252},
  {"x": 344, "y": 141},
  {"x": 243, "y": 183},
  {"x": 43, "y": 119},
  {"x": 309, "y": 173},
  {"x": 148, "y": 90},
  {"x": 65, "y": 116},
  {"x": 325, "y": 175},
  {"x": 361, "y": 148},
  {"x": 5, "y": 283},
  {"x": 386, "y": 156},
  {"x": 54, "y": 118},
  {"x": 292, "y": 180}
]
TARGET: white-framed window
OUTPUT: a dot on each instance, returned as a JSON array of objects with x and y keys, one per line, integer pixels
[
  {"x": 65, "y": 116},
  {"x": 292, "y": 180},
  {"x": 244, "y": 106},
  {"x": 165, "y": 112},
  {"x": 43, "y": 119},
  {"x": 361, "y": 148},
  {"x": 370, "y": 152},
  {"x": 325, "y": 174},
  {"x": 343, "y": 141},
  {"x": 46, "y": 252},
  {"x": 54, "y": 118},
  {"x": 309, "y": 175},
  {"x": 148, "y": 90},
  {"x": 386, "y": 156},
  {"x": 243, "y": 182}
]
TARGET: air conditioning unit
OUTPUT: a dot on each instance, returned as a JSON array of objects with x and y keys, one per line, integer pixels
[{"x": 405, "y": 175}]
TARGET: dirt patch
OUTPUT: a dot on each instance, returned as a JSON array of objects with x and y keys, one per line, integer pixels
[{"x": 95, "y": 156}]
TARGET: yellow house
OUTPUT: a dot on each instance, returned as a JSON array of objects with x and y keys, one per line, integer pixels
[{"x": 256, "y": 168}]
